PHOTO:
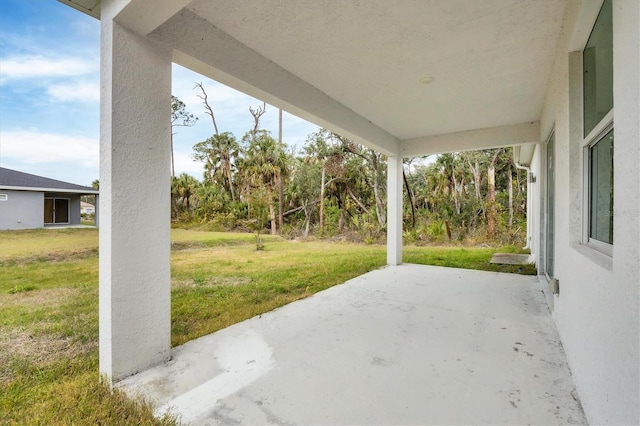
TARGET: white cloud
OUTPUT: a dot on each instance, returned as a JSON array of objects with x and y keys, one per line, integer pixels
[
  {"x": 32, "y": 147},
  {"x": 34, "y": 66},
  {"x": 185, "y": 164},
  {"x": 80, "y": 91}
]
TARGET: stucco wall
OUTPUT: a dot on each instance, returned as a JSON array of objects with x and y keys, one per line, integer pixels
[
  {"x": 21, "y": 210},
  {"x": 597, "y": 311},
  {"x": 534, "y": 211}
]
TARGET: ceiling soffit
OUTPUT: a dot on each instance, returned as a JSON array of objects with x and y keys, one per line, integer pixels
[
  {"x": 490, "y": 60},
  {"x": 360, "y": 65}
]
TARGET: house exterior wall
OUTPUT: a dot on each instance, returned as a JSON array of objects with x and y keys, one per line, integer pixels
[
  {"x": 597, "y": 310},
  {"x": 21, "y": 210}
]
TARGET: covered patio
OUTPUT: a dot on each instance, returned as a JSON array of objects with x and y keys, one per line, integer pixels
[
  {"x": 405, "y": 78},
  {"x": 404, "y": 90},
  {"x": 406, "y": 344}
]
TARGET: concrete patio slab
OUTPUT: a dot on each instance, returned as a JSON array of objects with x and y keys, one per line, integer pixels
[{"x": 406, "y": 344}]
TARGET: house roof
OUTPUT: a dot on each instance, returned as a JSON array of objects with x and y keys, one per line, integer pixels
[
  {"x": 403, "y": 77},
  {"x": 13, "y": 179}
]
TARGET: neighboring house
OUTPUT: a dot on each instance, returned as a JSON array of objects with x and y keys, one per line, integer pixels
[
  {"x": 30, "y": 201},
  {"x": 558, "y": 79},
  {"x": 86, "y": 208}
]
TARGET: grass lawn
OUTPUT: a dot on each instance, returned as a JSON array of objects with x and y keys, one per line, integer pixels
[{"x": 49, "y": 307}]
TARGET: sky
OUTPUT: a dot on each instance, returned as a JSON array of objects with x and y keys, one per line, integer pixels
[{"x": 50, "y": 97}]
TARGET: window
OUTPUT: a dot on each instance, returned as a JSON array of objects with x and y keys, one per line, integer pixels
[
  {"x": 4, "y": 197},
  {"x": 56, "y": 210},
  {"x": 601, "y": 184},
  {"x": 597, "y": 67},
  {"x": 597, "y": 72},
  {"x": 550, "y": 208}
]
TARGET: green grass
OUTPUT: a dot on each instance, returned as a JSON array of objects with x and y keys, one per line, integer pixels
[
  {"x": 465, "y": 257},
  {"x": 34, "y": 243},
  {"x": 49, "y": 307}
]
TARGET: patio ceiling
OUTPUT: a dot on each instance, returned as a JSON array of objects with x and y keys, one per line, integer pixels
[{"x": 360, "y": 67}]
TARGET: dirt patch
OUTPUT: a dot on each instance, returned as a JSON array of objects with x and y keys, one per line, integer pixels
[
  {"x": 20, "y": 345},
  {"x": 211, "y": 282},
  {"x": 61, "y": 256},
  {"x": 45, "y": 297}
]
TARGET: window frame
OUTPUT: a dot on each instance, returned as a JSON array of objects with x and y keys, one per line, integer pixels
[
  {"x": 4, "y": 197},
  {"x": 599, "y": 131},
  {"x": 545, "y": 231},
  {"x": 68, "y": 222},
  {"x": 595, "y": 136}
]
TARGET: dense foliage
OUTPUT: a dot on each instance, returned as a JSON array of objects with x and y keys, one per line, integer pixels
[{"x": 333, "y": 187}]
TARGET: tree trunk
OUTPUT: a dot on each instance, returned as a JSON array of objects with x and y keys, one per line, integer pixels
[
  {"x": 357, "y": 201},
  {"x": 173, "y": 168},
  {"x": 456, "y": 198},
  {"x": 492, "y": 211},
  {"x": 305, "y": 233},
  {"x": 272, "y": 217},
  {"x": 447, "y": 226},
  {"x": 227, "y": 167},
  {"x": 280, "y": 180},
  {"x": 174, "y": 207},
  {"x": 208, "y": 108},
  {"x": 475, "y": 171},
  {"x": 380, "y": 210},
  {"x": 321, "y": 213},
  {"x": 280, "y": 202},
  {"x": 510, "y": 182},
  {"x": 411, "y": 199}
]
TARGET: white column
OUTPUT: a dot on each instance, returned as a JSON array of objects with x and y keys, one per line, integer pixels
[
  {"x": 135, "y": 316},
  {"x": 96, "y": 212},
  {"x": 394, "y": 210}
]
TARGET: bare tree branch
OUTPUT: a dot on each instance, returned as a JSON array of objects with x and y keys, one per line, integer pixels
[
  {"x": 257, "y": 113},
  {"x": 208, "y": 108}
]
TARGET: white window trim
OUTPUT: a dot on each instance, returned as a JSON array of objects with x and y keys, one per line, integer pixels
[
  {"x": 4, "y": 197},
  {"x": 545, "y": 259},
  {"x": 599, "y": 130},
  {"x": 603, "y": 127},
  {"x": 588, "y": 141}
]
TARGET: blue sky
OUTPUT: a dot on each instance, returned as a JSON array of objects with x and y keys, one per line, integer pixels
[{"x": 50, "y": 95}]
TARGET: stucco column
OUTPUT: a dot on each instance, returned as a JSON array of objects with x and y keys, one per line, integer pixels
[
  {"x": 96, "y": 213},
  {"x": 135, "y": 318},
  {"x": 394, "y": 210}
]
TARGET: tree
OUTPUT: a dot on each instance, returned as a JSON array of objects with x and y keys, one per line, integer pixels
[
  {"x": 280, "y": 177},
  {"x": 211, "y": 201},
  {"x": 318, "y": 150},
  {"x": 303, "y": 190},
  {"x": 262, "y": 164},
  {"x": 218, "y": 153},
  {"x": 492, "y": 210},
  {"x": 91, "y": 199},
  {"x": 183, "y": 189},
  {"x": 208, "y": 109},
  {"x": 179, "y": 118},
  {"x": 410, "y": 194}
]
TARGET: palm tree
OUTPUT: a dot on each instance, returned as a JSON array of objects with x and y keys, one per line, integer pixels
[
  {"x": 261, "y": 166},
  {"x": 211, "y": 199},
  {"x": 183, "y": 189},
  {"x": 219, "y": 152}
]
